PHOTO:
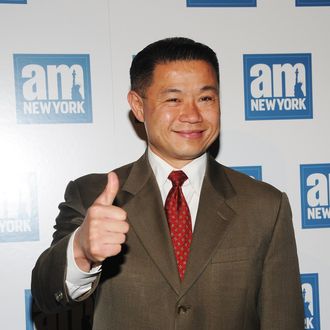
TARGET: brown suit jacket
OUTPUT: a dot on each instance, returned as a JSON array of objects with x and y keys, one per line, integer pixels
[{"x": 242, "y": 272}]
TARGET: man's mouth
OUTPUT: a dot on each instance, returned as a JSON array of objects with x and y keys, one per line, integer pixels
[{"x": 190, "y": 134}]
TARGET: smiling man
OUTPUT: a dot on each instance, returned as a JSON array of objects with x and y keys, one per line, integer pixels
[
  {"x": 180, "y": 110},
  {"x": 174, "y": 240}
]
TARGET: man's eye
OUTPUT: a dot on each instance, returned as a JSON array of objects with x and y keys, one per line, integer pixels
[
  {"x": 173, "y": 100},
  {"x": 206, "y": 98}
]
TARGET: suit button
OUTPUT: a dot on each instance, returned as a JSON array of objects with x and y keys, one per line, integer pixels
[
  {"x": 183, "y": 309},
  {"x": 58, "y": 296}
]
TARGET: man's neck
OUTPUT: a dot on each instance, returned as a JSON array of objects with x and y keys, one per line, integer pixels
[{"x": 177, "y": 164}]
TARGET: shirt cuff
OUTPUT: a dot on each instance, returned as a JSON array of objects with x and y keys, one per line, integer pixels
[{"x": 78, "y": 282}]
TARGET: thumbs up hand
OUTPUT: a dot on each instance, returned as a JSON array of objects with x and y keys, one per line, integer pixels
[{"x": 103, "y": 229}]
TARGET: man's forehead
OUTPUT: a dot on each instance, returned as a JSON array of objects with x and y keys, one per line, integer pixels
[
  {"x": 175, "y": 70},
  {"x": 168, "y": 75}
]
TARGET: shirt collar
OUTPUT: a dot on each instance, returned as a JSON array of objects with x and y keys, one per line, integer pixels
[{"x": 195, "y": 170}]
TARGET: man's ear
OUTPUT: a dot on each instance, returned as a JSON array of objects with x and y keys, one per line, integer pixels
[{"x": 136, "y": 103}]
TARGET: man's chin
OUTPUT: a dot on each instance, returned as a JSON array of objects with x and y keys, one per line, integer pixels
[{"x": 188, "y": 156}]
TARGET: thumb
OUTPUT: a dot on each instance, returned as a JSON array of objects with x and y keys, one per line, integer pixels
[{"x": 110, "y": 191}]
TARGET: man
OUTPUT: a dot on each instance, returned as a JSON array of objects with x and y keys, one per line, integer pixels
[{"x": 174, "y": 240}]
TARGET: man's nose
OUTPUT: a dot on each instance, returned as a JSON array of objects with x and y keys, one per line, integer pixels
[{"x": 190, "y": 113}]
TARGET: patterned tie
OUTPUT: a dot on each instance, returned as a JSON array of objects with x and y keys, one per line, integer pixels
[{"x": 179, "y": 220}]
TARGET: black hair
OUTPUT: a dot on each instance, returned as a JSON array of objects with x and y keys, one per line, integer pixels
[{"x": 164, "y": 51}]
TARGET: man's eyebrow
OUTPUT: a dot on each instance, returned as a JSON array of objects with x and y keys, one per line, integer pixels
[
  {"x": 209, "y": 88},
  {"x": 171, "y": 90}
]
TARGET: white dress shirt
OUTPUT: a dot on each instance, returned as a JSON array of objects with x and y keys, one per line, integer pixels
[
  {"x": 191, "y": 188},
  {"x": 78, "y": 282}
]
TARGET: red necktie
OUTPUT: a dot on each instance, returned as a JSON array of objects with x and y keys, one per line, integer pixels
[{"x": 179, "y": 220}]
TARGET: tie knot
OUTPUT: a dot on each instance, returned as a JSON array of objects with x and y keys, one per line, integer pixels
[{"x": 177, "y": 178}]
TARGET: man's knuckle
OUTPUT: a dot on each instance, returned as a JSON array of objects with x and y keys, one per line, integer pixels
[
  {"x": 122, "y": 238},
  {"x": 125, "y": 227},
  {"x": 116, "y": 248}
]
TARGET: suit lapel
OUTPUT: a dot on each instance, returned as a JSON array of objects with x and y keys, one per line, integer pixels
[
  {"x": 148, "y": 220},
  {"x": 140, "y": 197},
  {"x": 213, "y": 219}
]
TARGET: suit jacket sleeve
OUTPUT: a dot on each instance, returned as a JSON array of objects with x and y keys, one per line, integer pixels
[
  {"x": 280, "y": 302},
  {"x": 48, "y": 276}
]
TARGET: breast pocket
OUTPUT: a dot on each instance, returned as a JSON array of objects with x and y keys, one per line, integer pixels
[
  {"x": 231, "y": 270},
  {"x": 235, "y": 254}
]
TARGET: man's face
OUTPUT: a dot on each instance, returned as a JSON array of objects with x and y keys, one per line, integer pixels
[{"x": 180, "y": 110}]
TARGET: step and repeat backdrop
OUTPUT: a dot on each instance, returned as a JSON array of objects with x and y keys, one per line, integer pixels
[{"x": 63, "y": 113}]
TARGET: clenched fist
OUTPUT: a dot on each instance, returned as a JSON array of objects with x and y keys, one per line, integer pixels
[{"x": 103, "y": 229}]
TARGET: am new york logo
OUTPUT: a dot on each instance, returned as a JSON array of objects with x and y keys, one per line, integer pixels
[
  {"x": 310, "y": 294},
  {"x": 315, "y": 195},
  {"x": 254, "y": 172},
  {"x": 53, "y": 88},
  {"x": 308, "y": 3},
  {"x": 278, "y": 86},
  {"x": 221, "y": 3},
  {"x": 18, "y": 208},
  {"x": 28, "y": 310},
  {"x": 14, "y": 1}
]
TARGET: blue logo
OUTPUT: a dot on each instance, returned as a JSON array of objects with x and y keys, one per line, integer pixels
[
  {"x": 13, "y": 1},
  {"x": 278, "y": 86},
  {"x": 53, "y": 89},
  {"x": 19, "y": 208},
  {"x": 302, "y": 3},
  {"x": 28, "y": 310},
  {"x": 310, "y": 293},
  {"x": 315, "y": 195},
  {"x": 221, "y": 3},
  {"x": 254, "y": 172}
]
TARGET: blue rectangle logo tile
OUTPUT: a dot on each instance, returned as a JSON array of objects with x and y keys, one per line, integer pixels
[
  {"x": 310, "y": 293},
  {"x": 221, "y": 3},
  {"x": 254, "y": 172},
  {"x": 309, "y": 3},
  {"x": 53, "y": 89},
  {"x": 315, "y": 195},
  {"x": 278, "y": 86},
  {"x": 28, "y": 310},
  {"x": 19, "y": 208},
  {"x": 14, "y": 1}
]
